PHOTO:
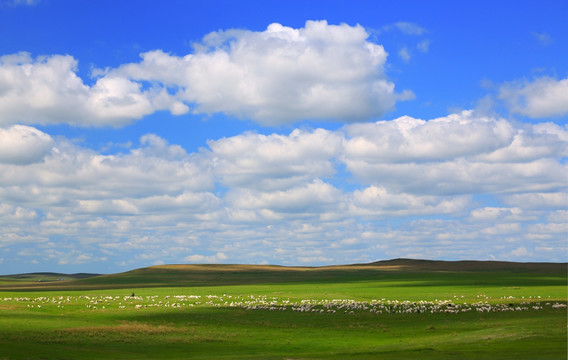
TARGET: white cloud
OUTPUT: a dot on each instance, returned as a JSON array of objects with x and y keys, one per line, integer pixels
[
  {"x": 274, "y": 161},
  {"x": 410, "y": 28},
  {"x": 365, "y": 191},
  {"x": 217, "y": 258},
  {"x": 108, "y": 207},
  {"x": 13, "y": 222},
  {"x": 413, "y": 140},
  {"x": 503, "y": 229},
  {"x": 70, "y": 174},
  {"x": 404, "y": 53},
  {"x": 520, "y": 252},
  {"x": 543, "y": 97},
  {"x": 531, "y": 143},
  {"x": 423, "y": 46},
  {"x": 462, "y": 176},
  {"x": 375, "y": 201},
  {"x": 459, "y": 154},
  {"x": 405, "y": 27},
  {"x": 187, "y": 201},
  {"x": 22, "y": 145},
  {"x": 311, "y": 199},
  {"x": 552, "y": 200},
  {"x": 558, "y": 216},
  {"x": 491, "y": 214},
  {"x": 279, "y": 75},
  {"x": 551, "y": 227},
  {"x": 47, "y": 90}
]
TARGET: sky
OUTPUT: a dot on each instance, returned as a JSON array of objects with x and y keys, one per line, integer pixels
[{"x": 297, "y": 133}]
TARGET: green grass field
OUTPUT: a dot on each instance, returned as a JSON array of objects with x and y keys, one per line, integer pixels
[{"x": 390, "y": 310}]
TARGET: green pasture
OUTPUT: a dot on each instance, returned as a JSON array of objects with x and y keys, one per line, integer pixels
[{"x": 185, "y": 314}]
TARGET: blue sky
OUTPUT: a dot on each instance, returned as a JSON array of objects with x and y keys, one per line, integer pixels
[{"x": 292, "y": 133}]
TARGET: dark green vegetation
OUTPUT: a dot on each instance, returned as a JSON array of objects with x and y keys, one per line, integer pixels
[
  {"x": 15, "y": 280},
  {"x": 184, "y": 312}
]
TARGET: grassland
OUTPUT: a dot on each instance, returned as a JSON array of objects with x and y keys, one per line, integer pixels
[{"x": 390, "y": 310}]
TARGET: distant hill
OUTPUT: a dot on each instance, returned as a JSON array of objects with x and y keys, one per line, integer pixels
[
  {"x": 468, "y": 265},
  {"x": 40, "y": 277},
  {"x": 47, "y": 276},
  {"x": 231, "y": 274}
]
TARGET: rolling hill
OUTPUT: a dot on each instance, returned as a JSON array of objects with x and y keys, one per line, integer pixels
[{"x": 230, "y": 274}]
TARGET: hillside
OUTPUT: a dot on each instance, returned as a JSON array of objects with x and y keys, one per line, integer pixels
[
  {"x": 227, "y": 274},
  {"x": 468, "y": 265}
]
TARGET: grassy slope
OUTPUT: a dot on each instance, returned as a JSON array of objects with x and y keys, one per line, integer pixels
[
  {"x": 39, "y": 277},
  {"x": 471, "y": 273},
  {"x": 229, "y": 333}
]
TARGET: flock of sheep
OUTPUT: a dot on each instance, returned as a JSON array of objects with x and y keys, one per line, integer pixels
[{"x": 255, "y": 302}]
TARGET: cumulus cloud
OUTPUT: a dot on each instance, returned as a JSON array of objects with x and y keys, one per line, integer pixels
[
  {"x": 21, "y": 144},
  {"x": 551, "y": 200},
  {"x": 520, "y": 252},
  {"x": 311, "y": 200},
  {"x": 216, "y": 258},
  {"x": 416, "y": 140},
  {"x": 376, "y": 201},
  {"x": 460, "y": 154},
  {"x": 390, "y": 188},
  {"x": 279, "y": 75},
  {"x": 46, "y": 252},
  {"x": 492, "y": 214},
  {"x": 47, "y": 90},
  {"x": 543, "y": 97},
  {"x": 71, "y": 174},
  {"x": 185, "y": 204},
  {"x": 274, "y": 161},
  {"x": 11, "y": 214},
  {"x": 533, "y": 142}
]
